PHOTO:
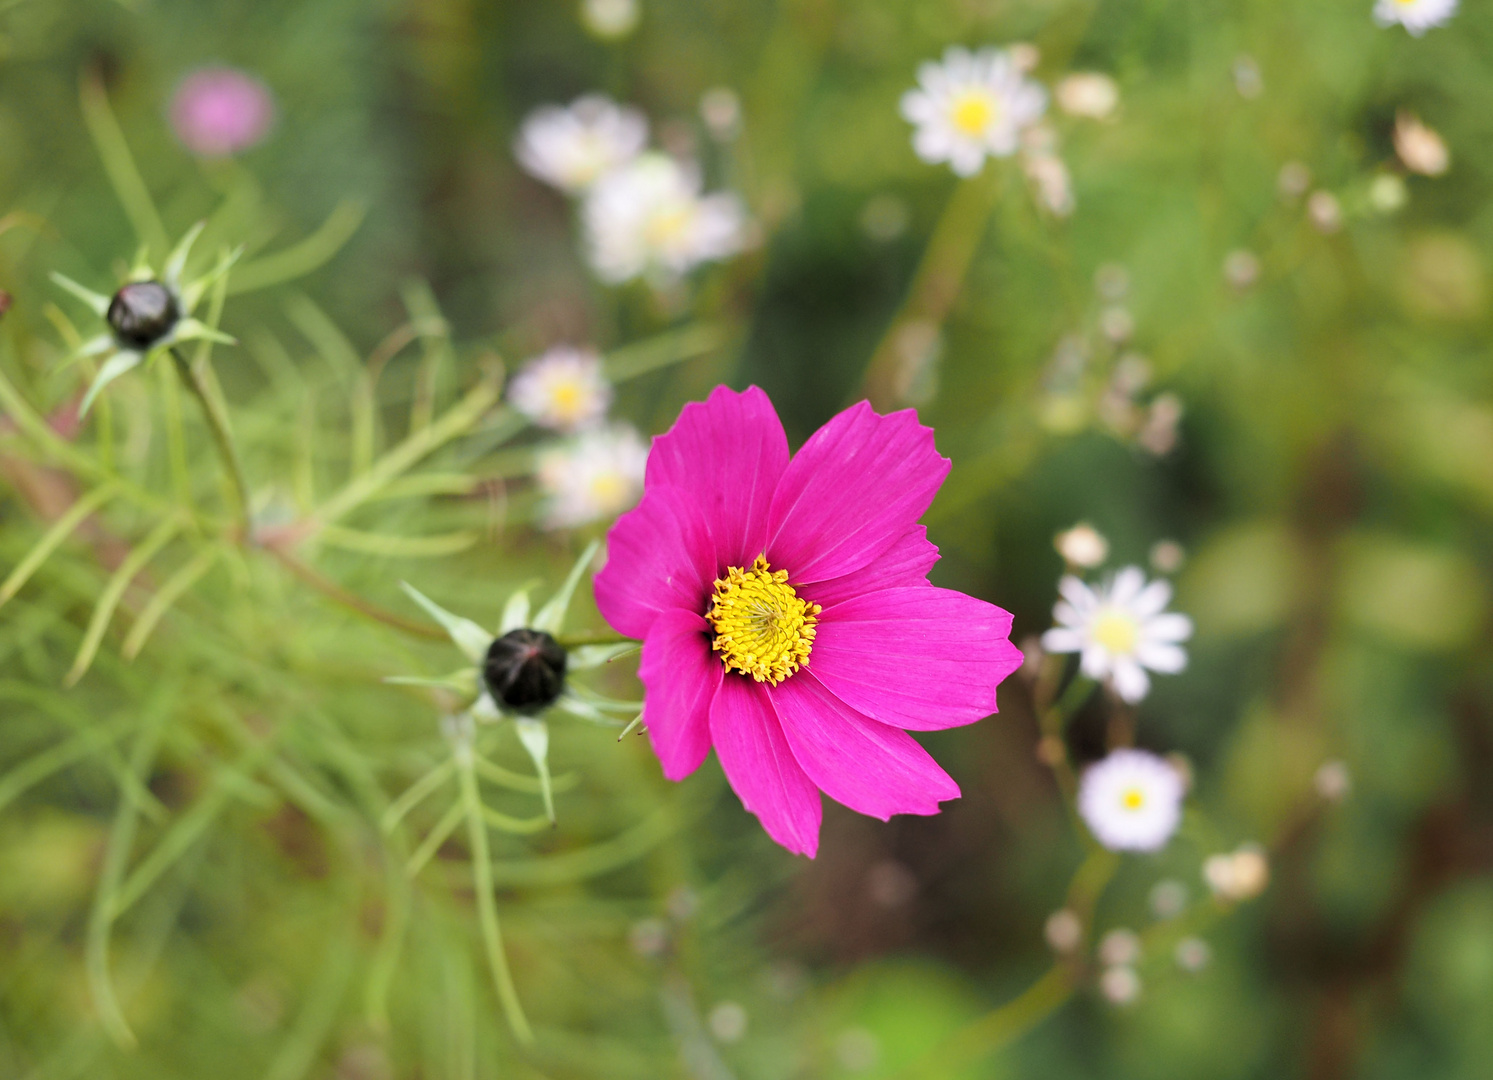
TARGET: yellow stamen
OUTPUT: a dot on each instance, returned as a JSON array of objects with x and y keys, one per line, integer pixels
[
  {"x": 973, "y": 112},
  {"x": 1133, "y": 799},
  {"x": 762, "y": 628},
  {"x": 667, "y": 227},
  {"x": 1116, "y": 631}
]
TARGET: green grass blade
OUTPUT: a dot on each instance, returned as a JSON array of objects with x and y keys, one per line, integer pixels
[
  {"x": 120, "y": 165},
  {"x": 300, "y": 259},
  {"x": 113, "y": 592},
  {"x": 52, "y": 540},
  {"x": 167, "y": 595}
]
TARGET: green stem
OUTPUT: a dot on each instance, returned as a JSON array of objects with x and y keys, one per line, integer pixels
[
  {"x": 487, "y": 910},
  {"x": 596, "y": 637},
  {"x": 217, "y": 423},
  {"x": 935, "y": 285},
  {"x": 997, "y": 1028}
]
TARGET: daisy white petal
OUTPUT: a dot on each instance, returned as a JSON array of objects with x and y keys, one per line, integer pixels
[
  {"x": 564, "y": 389},
  {"x": 571, "y": 148},
  {"x": 1119, "y": 630},
  {"x": 1416, "y": 16},
  {"x": 970, "y": 107},
  {"x": 1131, "y": 801}
]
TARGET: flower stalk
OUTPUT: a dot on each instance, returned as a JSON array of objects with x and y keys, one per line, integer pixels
[
  {"x": 935, "y": 287},
  {"x": 195, "y": 378}
]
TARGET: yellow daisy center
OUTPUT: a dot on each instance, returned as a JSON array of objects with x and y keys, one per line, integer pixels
[
  {"x": 666, "y": 228},
  {"x": 762, "y": 628},
  {"x": 973, "y": 112},
  {"x": 1117, "y": 631},
  {"x": 1132, "y": 798},
  {"x": 566, "y": 398}
]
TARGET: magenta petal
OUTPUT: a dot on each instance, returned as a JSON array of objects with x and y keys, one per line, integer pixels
[
  {"x": 680, "y": 676},
  {"x": 761, "y": 767},
  {"x": 906, "y": 562},
  {"x": 726, "y": 454},
  {"x": 659, "y": 556},
  {"x": 922, "y": 658},
  {"x": 871, "y": 768},
  {"x": 853, "y": 490}
]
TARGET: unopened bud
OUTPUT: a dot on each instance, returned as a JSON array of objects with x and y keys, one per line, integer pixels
[
  {"x": 525, "y": 670},
  {"x": 142, "y": 313}
]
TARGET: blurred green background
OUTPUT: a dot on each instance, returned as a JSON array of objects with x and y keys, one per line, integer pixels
[{"x": 1331, "y": 487}]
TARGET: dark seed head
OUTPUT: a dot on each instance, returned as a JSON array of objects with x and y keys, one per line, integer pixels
[
  {"x": 525, "y": 670},
  {"x": 142, "y": 313}
]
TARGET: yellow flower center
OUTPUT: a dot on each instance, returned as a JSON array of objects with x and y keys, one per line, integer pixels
[
  {"x": 762, "y": 628},
  {"x": 609, "y": 490},
  {"x": 667, "y": 228},
  {"x": 1117, "y": 631},
  {"x": 566, "y": 397},
  {"x": 973, "y": 112},
  {"x": 1133, "y": 798}
]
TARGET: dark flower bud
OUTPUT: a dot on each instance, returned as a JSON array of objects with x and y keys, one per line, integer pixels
[
  {"x": 525, "y": 670},
  {"x": 142, "y": 313}
]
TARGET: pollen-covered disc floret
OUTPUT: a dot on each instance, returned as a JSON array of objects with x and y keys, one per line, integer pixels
[{"x": 762, "y": 628}]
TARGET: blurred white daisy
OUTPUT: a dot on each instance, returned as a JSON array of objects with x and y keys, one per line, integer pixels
[
  {"x": 1083, "y": 545},
  {"x": 651, "y": 218},
  {"x": 971, "y": 106},
  {"x": 1131, "y": 801},
  {"x": 1416, "y": 16},
  {"x": 1419, "y": 147},
  {"x": 1088, "y": 93},
  {"x": 564, "y": 389},
  {"x": 572, "y": 147},
  {"x": 610, "y": 19},
  {"x": 1120, "y": 629},
  {"x": 596, "y": 475}
]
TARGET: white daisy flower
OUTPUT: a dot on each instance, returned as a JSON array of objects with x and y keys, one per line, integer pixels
[
  {"x": 971, "y": 106},
  {"x": 1416, "y": 16},
  {"x": 564, "y": 389},
  {"x": 610, "y": 19},
  {"x": 1089, "y": 94},
  {"x": 572, "y": 147},
  {"x": 650, "y": 217},
  {"x": 597, "y": 475},
  {"x": 1419, "y": 147},
  {"x": 1120, "y": 629},
  {"x": 1131, "y": 801}
]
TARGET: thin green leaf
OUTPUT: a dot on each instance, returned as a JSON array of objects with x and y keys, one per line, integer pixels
[
  {"x": 53, "y": 538},
  {"x": 300, "y": 259},
  {"x": 399, "y": 547},
  {"x": 168, "y": 594},
  {"x": 103, "y": 611},
  {"x": 487, "y": 911},
  {"x": 416, "y": 793},
  {"x": 432, "y": 843},
  {"x": 120, "y": 165},
  {"x": 583, "y": 657},
  {"x": 551, "y": 617}
]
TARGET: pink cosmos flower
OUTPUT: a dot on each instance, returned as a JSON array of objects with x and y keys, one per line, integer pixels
[
  {"x": 786, "y": 615},
  {"x": 220, "y": 111}
]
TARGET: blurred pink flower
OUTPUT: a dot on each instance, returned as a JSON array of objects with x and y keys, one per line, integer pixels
[
  {"x": 219, "y": 111},
  {"x": 786, "y": 615}
]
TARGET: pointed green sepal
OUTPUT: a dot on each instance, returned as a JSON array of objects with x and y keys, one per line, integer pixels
[
  {"x": 515, "y": 612},
  {"x": 551, "y": 617},
  {"x": 470, "y": 638},
  {"x": 535, "y": 735},
  {"x": 176, "y": 262},
  {"x": 113, "y": 368},
  {"x": 97, "y": 301}
]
